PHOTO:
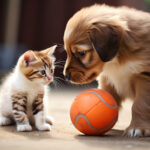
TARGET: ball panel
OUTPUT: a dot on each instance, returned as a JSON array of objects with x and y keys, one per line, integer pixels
[
  {"x": 83, "y": 125},
  {"x": 103, "y": 96},
  {"x": 86, "y": 101},
  {"x": 102, "y": 116},
  {"x": 82, "y": 104},
  {"x": 107, "y": 97}
]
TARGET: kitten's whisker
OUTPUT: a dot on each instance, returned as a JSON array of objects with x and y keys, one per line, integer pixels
[
  {"x": 54, "y": 83},
  {"x": 57, "y": 83},
  {"x": 58, "y": 62},
  {"x": 56, "y": 66},
  {"x": 59, "y": 78}
]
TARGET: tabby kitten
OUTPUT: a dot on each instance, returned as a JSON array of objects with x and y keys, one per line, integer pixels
[{"x": 22, "y": 94}]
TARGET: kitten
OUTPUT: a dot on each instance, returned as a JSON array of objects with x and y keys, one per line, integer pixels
[{"x": 22, "y": 93}]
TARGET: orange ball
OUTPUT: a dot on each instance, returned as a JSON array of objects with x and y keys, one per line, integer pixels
[{"x": 94, "y": 112}]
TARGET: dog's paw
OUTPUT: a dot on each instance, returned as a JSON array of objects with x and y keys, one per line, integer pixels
[
  {"x": 24, "y": 127},
  {"x": 44, "y": 127},
  {"x": 5, "y": 121},
  {"x": 50, "y": 120},
  {"x": 136, "y": 132}
]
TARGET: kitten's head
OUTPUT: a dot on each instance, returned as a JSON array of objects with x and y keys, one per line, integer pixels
[{"x": 38, "y": 66}]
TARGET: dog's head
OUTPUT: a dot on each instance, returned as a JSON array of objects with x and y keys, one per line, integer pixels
[{"x": 90, "y": 42}]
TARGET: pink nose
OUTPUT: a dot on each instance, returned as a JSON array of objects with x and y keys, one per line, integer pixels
[{"x": 49, "y": 78}]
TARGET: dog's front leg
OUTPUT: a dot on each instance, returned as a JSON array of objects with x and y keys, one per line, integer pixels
[{"x": 140, "y": 123}]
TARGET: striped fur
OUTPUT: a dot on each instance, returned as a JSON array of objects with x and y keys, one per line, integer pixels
[
  {"x": 22, "y": 94},
  {"x": 37, "y": 105},
  {"x": 19, "y": 108}
]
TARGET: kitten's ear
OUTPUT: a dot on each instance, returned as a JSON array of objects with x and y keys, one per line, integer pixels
[
  {"x": 49, "y": 51},
  {"x": 52, "y": 50},
  {"x": 30, "y": 58}
]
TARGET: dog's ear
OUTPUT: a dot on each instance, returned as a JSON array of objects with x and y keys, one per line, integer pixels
[{"x": 105, "y": 40}]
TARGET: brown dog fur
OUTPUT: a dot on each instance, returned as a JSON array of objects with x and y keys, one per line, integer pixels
[{"x": 113, "y": 45}]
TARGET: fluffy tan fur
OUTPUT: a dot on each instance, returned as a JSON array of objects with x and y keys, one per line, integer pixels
[{"x": 112, "y": 44}]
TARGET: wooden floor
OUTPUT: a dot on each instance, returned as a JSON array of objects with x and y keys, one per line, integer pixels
[{"x": 65, "y": 137}]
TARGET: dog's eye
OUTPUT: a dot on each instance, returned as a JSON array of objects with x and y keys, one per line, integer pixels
[{"x": 81, "y": 54}]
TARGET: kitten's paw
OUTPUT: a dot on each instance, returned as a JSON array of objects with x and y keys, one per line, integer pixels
[
  {"x": 24, "y": 127},
  {"x": 50, "y": 120},
  {"x": 136, "y": 132},
  {"x": 5, "y": 121},
  {"x": 44, "y": 127}
]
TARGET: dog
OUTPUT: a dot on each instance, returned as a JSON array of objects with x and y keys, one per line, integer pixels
[{"x": 112, "y": 45}]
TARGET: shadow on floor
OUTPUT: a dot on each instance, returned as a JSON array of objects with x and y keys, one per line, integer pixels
[
  {"x": 34, "y": 134},
  {"x": 114, "y": 138}
]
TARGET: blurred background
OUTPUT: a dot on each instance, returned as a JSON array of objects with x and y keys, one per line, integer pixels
[{"x": 38, "y": 24}]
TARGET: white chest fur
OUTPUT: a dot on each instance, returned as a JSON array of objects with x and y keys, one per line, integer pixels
[
  {"x": 119, "y": 76},
  {"x": 20, "y": 83}
]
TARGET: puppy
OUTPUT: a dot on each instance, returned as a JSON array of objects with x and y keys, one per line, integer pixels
[{"x": 112, "y": 45}]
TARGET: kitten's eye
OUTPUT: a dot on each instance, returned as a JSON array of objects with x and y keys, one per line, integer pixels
[
  {"x": 42, "y": 72},
  {"x": 81, "y": 54},
  {"x": 51, "y": 70}
]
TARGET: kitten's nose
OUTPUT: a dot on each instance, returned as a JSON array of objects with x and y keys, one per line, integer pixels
[
  {"x": 49, "y": 78},
  {"x": 68, "y": 76}
]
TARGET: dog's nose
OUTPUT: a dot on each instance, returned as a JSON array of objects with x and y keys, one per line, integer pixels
[{"x": 68, "y": 76}]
